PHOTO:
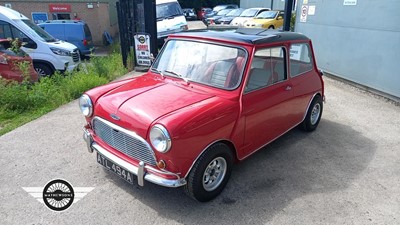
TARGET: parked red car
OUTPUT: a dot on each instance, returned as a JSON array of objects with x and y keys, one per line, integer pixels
[
  {"x": 9, "y": 61},
  {"x": 202, "y": 12},
  {"x": 194, "y": 113}
]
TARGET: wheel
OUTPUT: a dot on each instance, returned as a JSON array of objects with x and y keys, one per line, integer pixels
[
  {"x": 314, "y": 114},
  {"x": 210, "y": 173},
  {"x": 42, "y": 70},
  {"x": 271, "y": 27}
]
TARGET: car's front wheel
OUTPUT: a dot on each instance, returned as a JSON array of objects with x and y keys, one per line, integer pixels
[
  {"x": 210, "y": 173},
  {"x": 313, "y": 115},
  {"x": 42, "y": 70}
]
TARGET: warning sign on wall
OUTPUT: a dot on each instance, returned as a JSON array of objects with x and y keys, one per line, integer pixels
[{"x": 303, "y": 15}]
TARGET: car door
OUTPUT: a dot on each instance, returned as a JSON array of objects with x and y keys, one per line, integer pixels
[{"x": 266, "y": 102}]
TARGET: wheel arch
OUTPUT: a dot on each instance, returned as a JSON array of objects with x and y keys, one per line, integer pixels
[
  {"x": 309, "y": 103},
  {"x": 38, "y": 61},
  {"x": 228, "y": 143}
]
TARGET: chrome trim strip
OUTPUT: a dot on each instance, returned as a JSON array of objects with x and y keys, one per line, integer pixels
[{"x": 140, "y": 171}]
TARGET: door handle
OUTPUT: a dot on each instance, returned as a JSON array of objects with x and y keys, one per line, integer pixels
[{"x": 288, "y": 88}]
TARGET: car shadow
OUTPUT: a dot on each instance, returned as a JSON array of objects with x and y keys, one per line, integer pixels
[{"x": 295, "y": 165}]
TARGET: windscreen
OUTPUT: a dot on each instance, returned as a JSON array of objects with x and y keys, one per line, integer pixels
[
  {"x": 267, "y": 15},
  {"x": 211, "y": 64},
  {"x": 235, "y": 12},
  {"x": 35, "y": 30},
  {"x": 166, "y": 10},
  {"x": 249, "y": 13}
]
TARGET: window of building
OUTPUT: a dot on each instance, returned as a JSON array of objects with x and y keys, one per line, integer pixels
[{"x": 61, "y": 16}]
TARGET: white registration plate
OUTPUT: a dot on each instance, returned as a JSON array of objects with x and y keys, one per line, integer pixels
[{"x": 115, "y": 168}]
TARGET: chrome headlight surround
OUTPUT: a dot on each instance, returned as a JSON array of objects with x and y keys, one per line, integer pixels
[
  {"x": 160, "y": 138},
  {"x": 86, "y": 105}
]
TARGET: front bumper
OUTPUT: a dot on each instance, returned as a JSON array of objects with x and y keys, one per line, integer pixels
[{"x": 142, "y": 171}]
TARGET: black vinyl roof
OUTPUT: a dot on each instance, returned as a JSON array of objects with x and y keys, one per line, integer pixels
[{"x": 246, "y": 35}]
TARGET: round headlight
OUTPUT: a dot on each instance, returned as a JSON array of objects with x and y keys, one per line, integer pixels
[
  {"x": 160, "y": 139},
  {"x": 86, "y": 106}
]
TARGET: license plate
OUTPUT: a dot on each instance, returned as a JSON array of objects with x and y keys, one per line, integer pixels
[{"x": 115, "y": 168}]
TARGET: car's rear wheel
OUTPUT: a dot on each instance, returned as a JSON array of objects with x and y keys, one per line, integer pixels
[
  {"x": 313, "y": 115},
  {"x": 43, "y": 70},
  {"x": 271, "y": 27},
  {"x": 210, "y": 173}
]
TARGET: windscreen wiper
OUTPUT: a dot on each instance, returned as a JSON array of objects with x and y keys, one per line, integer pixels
[
  {"x": 177, "y": 75},
  {"x": 157, "y": 71}
]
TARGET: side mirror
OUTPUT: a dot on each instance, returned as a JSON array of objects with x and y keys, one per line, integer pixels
[{"x": 29, "y": 43}]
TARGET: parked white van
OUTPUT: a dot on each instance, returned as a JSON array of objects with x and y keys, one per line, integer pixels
[
  {"x": 170, "y": 18},
  {"x": 48, "y": 54}
]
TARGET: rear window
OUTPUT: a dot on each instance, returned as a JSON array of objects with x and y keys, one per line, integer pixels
[{"x": 87, "y": 31}]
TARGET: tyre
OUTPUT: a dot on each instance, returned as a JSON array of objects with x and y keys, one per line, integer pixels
[
  {"x": 271, "y": 27},
  {"x": 314, "y": 114},
  {"x": 43, "y": 70},
  {"x": 210, "y": 173}
]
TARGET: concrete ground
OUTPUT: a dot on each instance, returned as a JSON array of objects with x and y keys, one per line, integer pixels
[{"x": 346, "y": 172}]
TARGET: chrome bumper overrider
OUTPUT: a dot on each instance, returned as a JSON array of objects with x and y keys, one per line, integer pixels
[{"x": 140, "y": 171}]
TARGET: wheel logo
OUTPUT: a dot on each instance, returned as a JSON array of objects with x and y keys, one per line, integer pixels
[{"x": 58, "y": 195}]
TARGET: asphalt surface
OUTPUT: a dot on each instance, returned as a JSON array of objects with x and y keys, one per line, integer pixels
[{"x": 346, "y": 172}]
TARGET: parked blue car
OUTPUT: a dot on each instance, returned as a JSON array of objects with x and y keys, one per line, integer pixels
[{"x": 72, "y": 31}]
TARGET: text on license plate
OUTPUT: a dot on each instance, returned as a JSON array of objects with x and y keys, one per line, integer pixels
[{"x": 120, "y": 171}]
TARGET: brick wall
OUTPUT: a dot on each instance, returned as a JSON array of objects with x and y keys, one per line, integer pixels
[{"x": 97, "y": 18}]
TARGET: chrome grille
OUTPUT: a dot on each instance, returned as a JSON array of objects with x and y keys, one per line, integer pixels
[
  {"x": 118, "y": 138},
  {"x": 75, "y": 55}
]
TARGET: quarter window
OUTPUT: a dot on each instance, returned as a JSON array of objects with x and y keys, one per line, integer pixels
[
  {"x": 268, "y": 67},
  {"x": 300, "y": 59}
]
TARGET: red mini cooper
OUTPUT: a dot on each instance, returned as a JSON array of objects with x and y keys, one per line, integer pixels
[{"x": 211, "y": 98}]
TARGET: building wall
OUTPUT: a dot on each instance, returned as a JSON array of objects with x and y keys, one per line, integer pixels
[
  {"x": 360, "y": 43},
  {"x": 98, "y": 18},
  {"x": 276, "y": 5}
]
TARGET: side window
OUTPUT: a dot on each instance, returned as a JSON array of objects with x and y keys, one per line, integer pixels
[
  {"x": 300, "y": 59},
  {"x": 5, "y": 30},
  {"x": 268, "y": 67},
  {"x": 17, "y": 33}
]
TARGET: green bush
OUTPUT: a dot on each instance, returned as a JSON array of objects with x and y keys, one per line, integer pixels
[{"x": 32, "y": 100}]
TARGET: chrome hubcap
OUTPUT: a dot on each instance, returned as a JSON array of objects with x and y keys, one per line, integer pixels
[
  {"x": 214, "y": 174},
  {"x": 316, "y": 111}
]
